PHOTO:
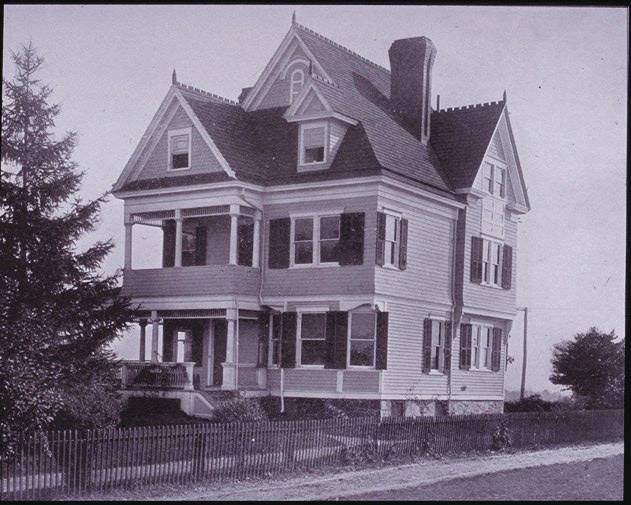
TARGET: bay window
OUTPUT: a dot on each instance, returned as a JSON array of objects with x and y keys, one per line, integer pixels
[
  {"x": 311, "y": 338},
  {"x": 362, "y": 339},
  {"x": 391, "y": 249}
]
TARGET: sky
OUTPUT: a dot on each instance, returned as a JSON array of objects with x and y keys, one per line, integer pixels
[{"x": 564, "y": 70}]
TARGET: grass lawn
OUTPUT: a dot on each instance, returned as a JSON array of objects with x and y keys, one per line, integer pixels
[{"x": 598, "y": 479}]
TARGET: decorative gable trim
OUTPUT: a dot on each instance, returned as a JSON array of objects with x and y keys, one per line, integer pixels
[
  {"x": 156, "y": 129},
  {"x": 272, "y": 71},
  {"x": 291, "y": 116}
]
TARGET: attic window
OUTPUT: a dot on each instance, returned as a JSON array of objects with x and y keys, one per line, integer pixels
[
  {"x": 179, "y": 149},
  {"x": 296, "y": 82},
  {"x": 313, "y": 144}
]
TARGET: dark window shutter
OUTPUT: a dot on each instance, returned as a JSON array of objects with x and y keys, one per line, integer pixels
[
  {"x": 279, "y": 247},
  {"x": 336, "y": 339},
  {"x": 427, "y": 345},
  {"x": 200, "y": 245},
  {"x": 381, "y": 237},
  {"x": 447, "y": 347},
  {"x": 507, "y": 267},
  {"x": 168, "y": 243},
  {"x": 351, "y": 245},
  {"x": 476, "y": 260},
  {"x": 263, "y": 339},
  {"x": 465, "y": 346},
  {"x": 496, "y": 351},
  {"x": 403, "y": 245},
  {"x": 288, "y": 339},
  {"x": 245, "y": 241},
  {"x": 382, "y": 341}
]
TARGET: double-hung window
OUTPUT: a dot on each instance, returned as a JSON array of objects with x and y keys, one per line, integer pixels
[
  {"x": 491, "y": 263},
  {"x": 391, "y": 246},
  {"x": 487, "y": 183},
  {"x": 179, "y": 149},
  {"x": 312, "y": 338},
  {"x": 313, "y": 144},
  {"x": 274, "y": 340},
  {"x": 315, "y": 240},
  {"x": 500, "y": 182},
  {"x": 482, "y": 337},
  {"x": 362, "y": 339},
  {"x": 438, "y": 339}
]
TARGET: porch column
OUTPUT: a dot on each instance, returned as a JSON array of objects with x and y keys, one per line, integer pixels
[
  {"x": 178, "y": 238},
  {"x": 256, "y": 247},
  {"x": 128, "y": 244},
  {"x": 143, "y": 339},
  {"x": 234, "y": 224},
  {"x": 229, "y": 375},
  {"x": 154, "y": 335}
]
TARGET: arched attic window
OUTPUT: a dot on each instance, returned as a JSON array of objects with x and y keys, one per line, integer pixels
[{"x": 296, "y": 82}]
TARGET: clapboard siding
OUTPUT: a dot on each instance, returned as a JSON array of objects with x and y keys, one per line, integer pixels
[
  {"x": 202, "y": 160},
  {"x": 360, "y": 381},
  {"x": 477, "y": 383},
  {"x": 337, "y": 280},
  {"x": 278, "y": 93},
  {"x": 405, "y": 353},
  {"x": 273, "y": 379},
  {"x": 193, "y": 280},
  {"x": 297, "y": 379},
  {"x": 429, "y": 260},
  {"x": 476, "y": 295}
]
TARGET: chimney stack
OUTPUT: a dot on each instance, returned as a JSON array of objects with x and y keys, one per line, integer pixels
[{"x": 411, "y": 63}]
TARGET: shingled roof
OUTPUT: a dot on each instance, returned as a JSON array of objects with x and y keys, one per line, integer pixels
[{"x": 260, "y": 145}]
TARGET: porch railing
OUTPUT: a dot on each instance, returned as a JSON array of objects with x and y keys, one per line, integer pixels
[{"x": 158, "y": 375}]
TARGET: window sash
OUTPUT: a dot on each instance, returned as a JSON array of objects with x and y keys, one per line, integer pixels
[
  {"x": 309, "y": 243},
  {"x": 391, "y": 241},
  {"x": 437, "y": 347},
  {"x": 307, "y": 344},
  {"x": 274, "y": 340},
  {"x": 313, "y": 144}
]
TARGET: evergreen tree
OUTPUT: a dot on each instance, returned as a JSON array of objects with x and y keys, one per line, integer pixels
[
  {"x": 58, "y": 313},
  {"x": 592, "y": 366}
]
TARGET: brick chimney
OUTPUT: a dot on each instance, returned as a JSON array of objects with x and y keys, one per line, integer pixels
[{"x": 411, "y": 63}]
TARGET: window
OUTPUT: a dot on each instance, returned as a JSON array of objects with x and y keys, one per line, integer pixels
[
  {"x": 491, "y": 273},
  {"x": 362, "y": 339},
  {"x": 296, "y": 83},
  {"x": 189, "y": 245},
  {"x": 320, "y": 251},
  {"x": 487, "y": 184},
  {"x": 313, "y": 142},
  {"x": 482, "y": 346},
  {"x": 500, "y": 182},
  {"x": 391, "y": 250},
  {"x": 438, "y": 335},
  {"x": 179, "y": 149},
  {"x": 493, "y": 217},
  {"x": 311, "y": 346},
  {"x": 274, "y": 346},
  {"x": 476, "y": 338}
]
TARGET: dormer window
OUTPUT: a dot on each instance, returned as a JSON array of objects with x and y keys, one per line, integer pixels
[
  {"x": 313, "y": 144},
  {"x": 180, "y": 149},
  {"x": 296, "y": 82}
]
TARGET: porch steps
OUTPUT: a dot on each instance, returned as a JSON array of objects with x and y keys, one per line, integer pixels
[{"x": 204, "y": 402}]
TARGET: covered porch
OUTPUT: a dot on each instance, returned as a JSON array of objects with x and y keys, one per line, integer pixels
[{"x": 198, "y": 350}]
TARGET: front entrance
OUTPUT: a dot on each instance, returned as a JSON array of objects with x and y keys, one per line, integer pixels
[{"x": 220, "y": 333}]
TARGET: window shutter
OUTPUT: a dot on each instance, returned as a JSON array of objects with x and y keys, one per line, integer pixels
[
  {"x": 351, "y": 245},
  {"x": 496, "y": 352},
  {"x": 167, "y": 341},
  {"x": 403, "y": 245},
  {"x": 279, "y": 247},
  {"x": 382, "y": 341},
  {"x": 245, "y": 241},
  {"x": 168, "y": 243},
  {"x": 476, "y": 260},
  {"x": 288, "y": 339},
  {"x": 427, "y": 345},
  {"x": 507, "y": 267},
  {"x": 465, "y": 346},
  {"x": 381, "y": 237},
  {"x": 447, "y": 347},
  {"x": 336, "y": 339},
  {"x": 263, "y": 339},
  {"x": 200, "y": 245}
]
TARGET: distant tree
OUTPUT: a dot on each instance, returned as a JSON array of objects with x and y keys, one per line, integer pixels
[
  {"x": 57, "y": 312},
  {"x": 592, "y": 366}
]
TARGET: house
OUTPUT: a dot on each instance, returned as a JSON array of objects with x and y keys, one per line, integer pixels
[{"x": 329, "y": 235}]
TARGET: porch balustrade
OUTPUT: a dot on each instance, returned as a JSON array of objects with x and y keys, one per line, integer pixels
[{"x": 163, "y": 375}]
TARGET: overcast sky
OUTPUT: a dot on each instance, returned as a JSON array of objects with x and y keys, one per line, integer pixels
[{"x": 565, "y": 71}]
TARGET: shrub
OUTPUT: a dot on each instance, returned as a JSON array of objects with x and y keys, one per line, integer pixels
[
  {"x": 501, "y": 438},
  {"x": 239, "y": 410},
  {"x": 154, "y": 411}
]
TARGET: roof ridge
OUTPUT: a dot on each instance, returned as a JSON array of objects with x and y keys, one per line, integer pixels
[
  {"x": 471, "y": 106},
  {"x": 336, "y": 44},
  {"x": 208, "y": 94}
]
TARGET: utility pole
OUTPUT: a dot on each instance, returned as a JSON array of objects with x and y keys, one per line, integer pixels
[{"x": 523, "y": 366}]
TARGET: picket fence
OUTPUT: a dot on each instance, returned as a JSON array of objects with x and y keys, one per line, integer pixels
[{"x": 71, "y": 462}]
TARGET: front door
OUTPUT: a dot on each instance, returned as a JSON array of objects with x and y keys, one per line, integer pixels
[{"x": 220, "y": 332}]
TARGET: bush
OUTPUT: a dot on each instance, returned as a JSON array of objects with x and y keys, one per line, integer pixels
[
  {"x": 239, "y": 410},
  {"x": 152, "y": 411},
  {"x": 534, "y": 403},
  {"x": 501, "y": 438},
  {"x": 318, "y": 408}
]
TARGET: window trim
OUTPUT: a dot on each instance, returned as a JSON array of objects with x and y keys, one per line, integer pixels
[
  {"x": 500, "y": 260},
  {"x": 308, "y": 310},
  {"x": 475, "y": 365},
  {"x": 315, "y": 263},
  {"x": 398, "y": 217},
  {"x": 293, "y": 94},
  {"x": 175, "y": 133},
  {"x": 315, "y": 165},
  {"x": 348, "y": 341},
  {"x": 270, "y": 342},
  {"x": 442, "y": 323},
  {"x": 494, "y": 163}
]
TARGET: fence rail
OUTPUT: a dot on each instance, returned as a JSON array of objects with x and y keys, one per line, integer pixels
[{"x": 73, "y": 462}]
